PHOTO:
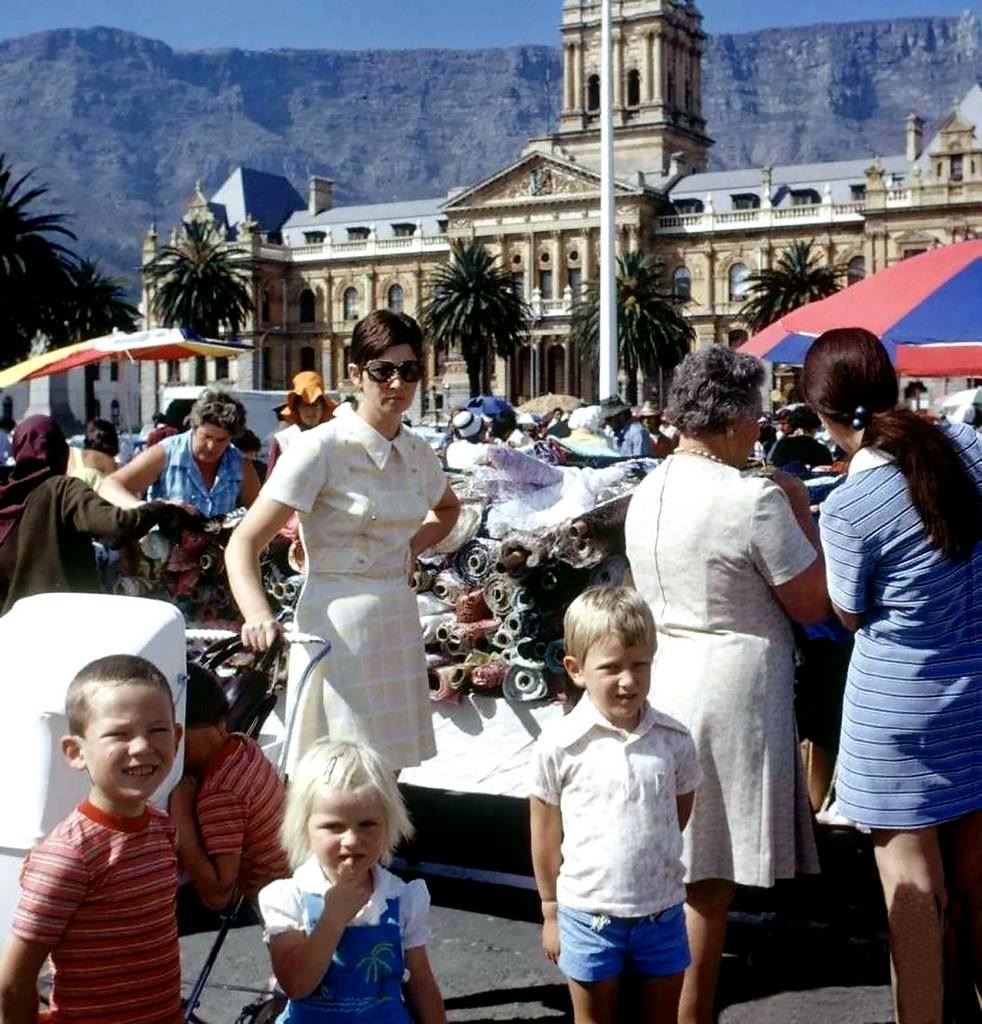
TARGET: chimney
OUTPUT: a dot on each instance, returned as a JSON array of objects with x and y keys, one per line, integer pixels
[
  {"x": 320, "y": 194},
  {"x": 914, "y": 127}
]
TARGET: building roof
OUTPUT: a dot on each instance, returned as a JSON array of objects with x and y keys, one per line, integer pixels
[
  {"x": 969, "y": 111},
  {"x": 379, "y": 217},
  {"x": 838, "y": 175},
  {"x": 267, "y": 198}
]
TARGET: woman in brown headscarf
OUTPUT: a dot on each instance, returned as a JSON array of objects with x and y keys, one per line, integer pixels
[{"x": 48, "y": 520}]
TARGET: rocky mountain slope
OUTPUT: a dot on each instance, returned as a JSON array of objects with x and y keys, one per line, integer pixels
[{"x": 121, "y": 126}]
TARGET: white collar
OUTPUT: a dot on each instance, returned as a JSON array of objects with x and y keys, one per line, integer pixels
[
  {"x": 868, "y": 458},
  {"x": 310, "y": 878},
  {"x": 585, "y": 717},
  {"x": 377, "y": 446}
]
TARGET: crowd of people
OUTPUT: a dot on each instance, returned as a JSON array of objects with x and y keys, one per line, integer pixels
[{"x": 674, "y": 779}]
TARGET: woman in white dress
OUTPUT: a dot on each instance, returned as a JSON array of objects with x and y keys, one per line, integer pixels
[
  {"x": 726, "y": 559},
  {"x": 370, "y": 496}
]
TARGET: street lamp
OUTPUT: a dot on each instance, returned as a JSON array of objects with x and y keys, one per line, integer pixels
[{"x": 259, "y": 352}]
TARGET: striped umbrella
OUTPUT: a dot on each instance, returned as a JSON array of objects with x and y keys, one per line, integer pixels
[
  {"x": 927, "y": 311},
  {"x": 158, "y": 343}
]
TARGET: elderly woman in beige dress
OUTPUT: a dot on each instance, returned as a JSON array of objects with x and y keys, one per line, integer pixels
[
  {"x": 726, "y": 559},
  {"x": 370, "y": 496}
]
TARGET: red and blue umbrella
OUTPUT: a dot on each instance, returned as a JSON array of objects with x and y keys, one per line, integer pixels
[{"x": 927, "y": 311}]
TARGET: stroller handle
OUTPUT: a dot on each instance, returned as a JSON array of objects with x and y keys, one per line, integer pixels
[{"x": 214, "y": 635}]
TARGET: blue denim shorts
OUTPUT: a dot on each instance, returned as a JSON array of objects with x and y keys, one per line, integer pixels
[{"x": 594, "y": 948}]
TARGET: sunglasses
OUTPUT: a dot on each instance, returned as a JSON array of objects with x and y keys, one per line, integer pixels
[{"x": 381, "y": 370}]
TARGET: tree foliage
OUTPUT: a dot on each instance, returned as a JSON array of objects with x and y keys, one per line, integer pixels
[
  {"x": 473, "y": 307},
  {"x": 201, "y": 282},
  {"x": 34, "y": 264},
  {"x": 651, "y": 331},
  {"x": 799, "y": 276},
  {"x": 89, "y": 305}
]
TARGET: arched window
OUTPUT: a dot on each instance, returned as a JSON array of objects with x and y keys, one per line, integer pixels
[
  {"x": 593, "y": 94},
  {"x": 396, "y": 298},
  {"x": 634, "y": 88},
  {"x": 736, "y": 338},
  {"x": 738, "y": 282},
  {"x": 307, "y": 307},
  {"x": 856, "y": 270},
  {"x": 308, "y": 358},
  {"x": 682, "y": 284},
  {"x": 351, "y": 303}
]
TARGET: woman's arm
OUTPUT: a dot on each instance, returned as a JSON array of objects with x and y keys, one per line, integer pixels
[
  {"x": 438, "y": 523},
  {"x": 87, "y": 512},
  {"x": 422, "y": 989},
  {"x": 124, "y": 487},
  {"x": 250, "y": 484},
  {"x": 262, "y": 522},
  {"x": 547, "y": 836}
]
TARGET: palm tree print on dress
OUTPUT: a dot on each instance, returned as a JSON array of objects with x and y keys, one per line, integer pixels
[
  {"x": 473, "y": 308},
  {"x": 652, "y": 333},
  {"x": 798, "y": 277}
]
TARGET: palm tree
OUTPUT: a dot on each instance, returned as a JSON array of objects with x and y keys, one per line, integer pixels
[
  {"x": 651, "y": 332},
  {"x": 798, "y": 277},
  {"x": 473, "y": 306},
  {"x": 202, "y": 282},
  {"x": 89, "y": 305},
  {"x": 32, "y": 263}
]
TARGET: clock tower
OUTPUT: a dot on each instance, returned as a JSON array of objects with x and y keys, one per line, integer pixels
[{"x": 656, "y": 50}]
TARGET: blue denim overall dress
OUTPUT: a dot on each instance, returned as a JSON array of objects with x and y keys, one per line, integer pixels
[{"x": 364, "y": 981}]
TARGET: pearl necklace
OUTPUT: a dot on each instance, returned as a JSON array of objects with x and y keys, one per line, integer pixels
[{"x": 702, "y": 453}]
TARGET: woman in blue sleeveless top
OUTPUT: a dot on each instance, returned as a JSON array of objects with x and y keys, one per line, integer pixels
[
  {"x": 199, "y": 468},
  {"x": 903, "y": 546}
]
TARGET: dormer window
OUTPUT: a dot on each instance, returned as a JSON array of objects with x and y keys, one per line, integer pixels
[
  {"x": 857, "y": 193},
  {"x": 441, "y": 227},
  {"x": 314, "y": 237},
  {"x": 805, "y": 197},
  {"x": 358, "y": 234},
  {"x": 688, "y": 205},
  {"x": 745, "y": 201},
  {"x": 403, "y": 230}
]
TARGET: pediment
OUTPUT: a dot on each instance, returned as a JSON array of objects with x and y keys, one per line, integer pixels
[
  {"x": 535, "y": 179},
  {"x": 913, "y": 236}
]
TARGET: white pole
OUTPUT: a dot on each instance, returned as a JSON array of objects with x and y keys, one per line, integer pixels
[{"x": 608, "y": 280}]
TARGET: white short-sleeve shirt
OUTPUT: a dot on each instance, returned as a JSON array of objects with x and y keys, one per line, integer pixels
[
  {"x": 617, "y": 792},
  {"x": 359, "y": 496},
  {"x": 282, "y": 906}
]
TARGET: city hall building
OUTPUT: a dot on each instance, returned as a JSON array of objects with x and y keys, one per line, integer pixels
[{"x": 320, "y": 267}]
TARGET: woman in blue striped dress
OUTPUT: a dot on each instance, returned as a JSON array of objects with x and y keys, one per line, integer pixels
[{"x": 904, "y": 561}]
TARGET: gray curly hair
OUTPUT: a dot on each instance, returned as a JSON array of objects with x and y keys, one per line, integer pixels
[
  {"x": 219, "y": 409},
  {"x": 713, "y": 388}
]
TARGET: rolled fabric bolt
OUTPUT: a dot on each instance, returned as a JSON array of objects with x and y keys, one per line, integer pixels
[
  {"x": 207, "y": 561},
  {"x": 430, "y": 624},
  {"x": 443, "y": 690},
  {"x": 466, "y": 635},
  {"x": 445, "y": 629},
  {"x": 522, "y": 599},
  {"x": 423, "y": 578},
  {"x": 530, "y": 650},
  {"x": 611, "y": 572},
  {"x": 430, "y": 604},
  {"x": 131, "y": 586},
  {"x": 490, "y": 676},
  {"x": 553, "y": 658},
  {"x": 448, "y": 586},
  {"x": 155, "y": 546},
  {"x": 499, "y": 594},
  {"x": 579, "y": 529},
  {"x": 475, "y": 561},
  {"x": 460, "y": 677},
  {"x": 502, "y": 639},
  {"x": 471, "y": 607},
  {"x": 525, "y": 682}
]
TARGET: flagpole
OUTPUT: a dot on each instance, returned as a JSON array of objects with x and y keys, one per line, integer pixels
[{"x": 608, "y": 281}]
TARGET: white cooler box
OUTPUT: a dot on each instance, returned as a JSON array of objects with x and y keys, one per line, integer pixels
[{"x": 44, "y": 641}]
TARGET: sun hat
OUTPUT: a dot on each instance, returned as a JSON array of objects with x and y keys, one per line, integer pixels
[
  {"x": 613, "y": 406},
  {"x": 649, "y": 409},
  {"x": 308, "y": 387},
  {"x": 467, "y": 424}
]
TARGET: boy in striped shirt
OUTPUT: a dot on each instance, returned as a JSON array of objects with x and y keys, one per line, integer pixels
[
  {"x": 98, "y": 891},
  {"x": 227, "y": 811}
]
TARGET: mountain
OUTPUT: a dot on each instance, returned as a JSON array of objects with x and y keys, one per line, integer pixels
[{"x": 121, "y": 127}]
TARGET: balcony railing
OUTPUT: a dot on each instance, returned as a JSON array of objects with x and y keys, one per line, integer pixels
[
  {"x": 761, "y": 219},
  {"x": 358, "y": 249}
]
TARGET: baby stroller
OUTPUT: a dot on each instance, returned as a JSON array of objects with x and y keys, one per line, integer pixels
[{"x": 252, "y": 695}]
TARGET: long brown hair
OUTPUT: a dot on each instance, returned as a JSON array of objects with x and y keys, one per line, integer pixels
[{"x": 848, "y": 378}]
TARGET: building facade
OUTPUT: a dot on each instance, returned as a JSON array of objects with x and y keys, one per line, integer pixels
[{"x": 321, "y": 267}]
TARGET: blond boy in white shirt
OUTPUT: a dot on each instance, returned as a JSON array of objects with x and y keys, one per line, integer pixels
[{"x": 612, "y": 786}]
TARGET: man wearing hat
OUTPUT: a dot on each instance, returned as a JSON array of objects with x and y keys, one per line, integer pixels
[
  {"x": 625, "y": 433},
  {"x": 469, "y": 432},
  {"x": 306, "y": 406}
]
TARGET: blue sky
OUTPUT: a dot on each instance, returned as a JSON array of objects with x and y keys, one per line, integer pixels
[{"x": 362, "y": 24}]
